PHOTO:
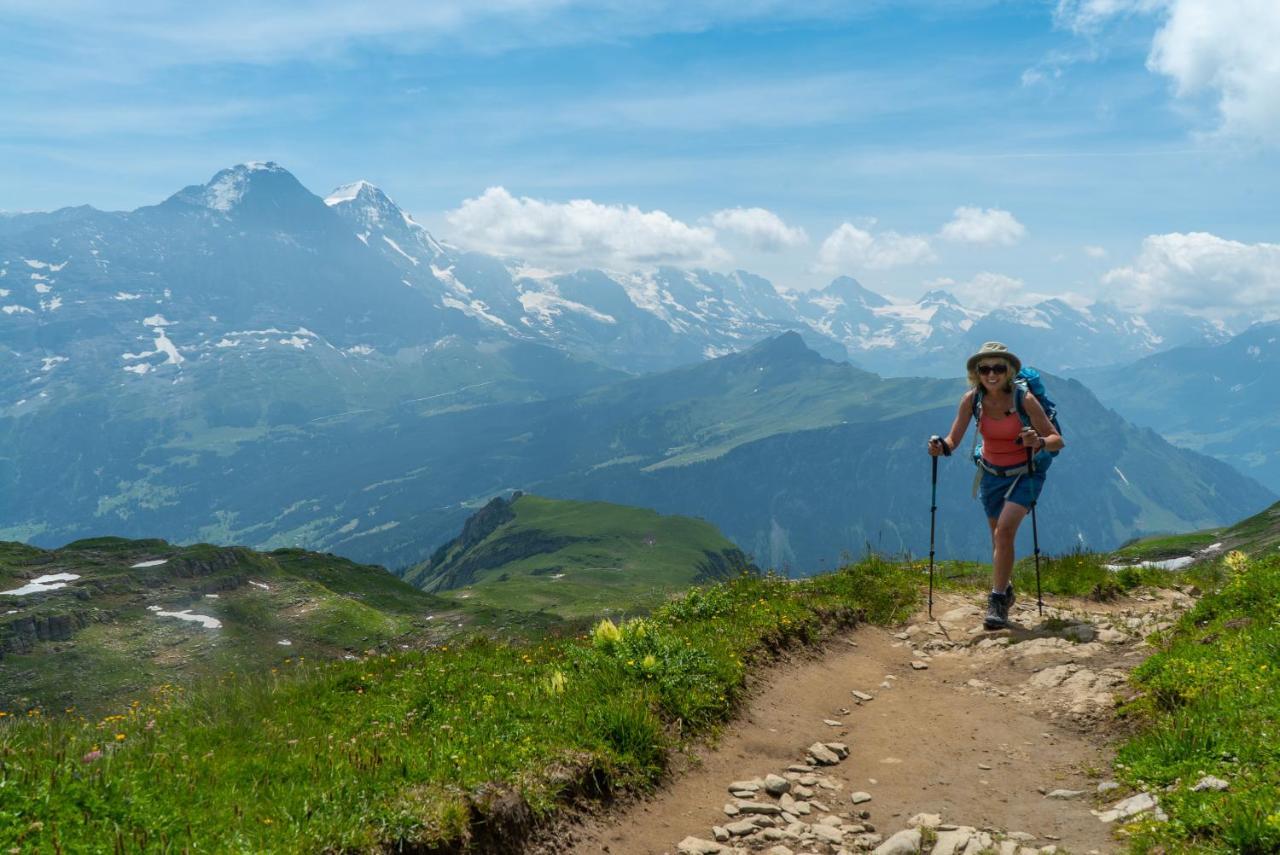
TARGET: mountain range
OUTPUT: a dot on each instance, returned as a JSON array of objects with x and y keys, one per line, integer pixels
[{"x": 248, "y": 362}]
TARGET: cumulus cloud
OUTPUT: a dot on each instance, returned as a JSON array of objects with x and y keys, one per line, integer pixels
[
  {"x": 581, "y": 233},
  {"x": 986, "y": 291},
  {"x": 984, "y": 226},
  {"x": 1203, "y": 273},
  {"x": 1095, "y": 251},
  {"x": 763, "y": 229},
  {"x": 1221, "y": 48},
  {"x": 851, "y": 247}
]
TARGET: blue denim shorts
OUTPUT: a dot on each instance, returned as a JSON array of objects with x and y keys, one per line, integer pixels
[{"x": 1019, "y": 489}]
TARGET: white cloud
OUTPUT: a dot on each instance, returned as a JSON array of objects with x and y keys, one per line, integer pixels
[
  {"x": 1202, "y": 273},
  {"x": 986, "y": 291},
  {"x": 1094, "y": 251},
  {"x": 851, "y": 247},
  {"x": 762, "y": 228},
  {"x": 1223, "y": 48},
  {"x": 984, "y": 226},
  {"x": 581, "y": 233}
]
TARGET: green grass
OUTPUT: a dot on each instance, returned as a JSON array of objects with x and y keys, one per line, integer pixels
[
  {"x": 1211, "y": 705},
  {"x": 574, "y": 559},
  {"x": 414, "y": 749},
  {"x": 323, "y": 605},
  {"x": 1075, "y": 574}
]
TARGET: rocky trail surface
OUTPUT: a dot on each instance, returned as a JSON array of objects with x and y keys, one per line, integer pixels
[{"x": 935, "y": 737}]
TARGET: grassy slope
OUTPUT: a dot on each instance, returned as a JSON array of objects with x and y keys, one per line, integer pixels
[
  {"x": 414, "y": 749},
  {"x": 613, "y": 559},
  {"x": 323, "y": 605},
  {"x": 1259, "y": 535},
  {"x": 1211, "y": 705}
]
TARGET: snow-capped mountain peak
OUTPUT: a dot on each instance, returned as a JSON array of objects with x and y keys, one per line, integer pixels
[{"x": 227, "y": 190}]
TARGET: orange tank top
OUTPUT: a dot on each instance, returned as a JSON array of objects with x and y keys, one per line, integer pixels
[{"x": 999, "y": 436}]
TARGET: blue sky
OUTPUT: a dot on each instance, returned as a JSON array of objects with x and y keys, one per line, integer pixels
[{"x": 1111, "y": 125}]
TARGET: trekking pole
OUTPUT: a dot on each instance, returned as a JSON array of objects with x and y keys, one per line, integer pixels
[
  {"x": 1035, "y": 534},
  {"x": 933, "y": 519}
]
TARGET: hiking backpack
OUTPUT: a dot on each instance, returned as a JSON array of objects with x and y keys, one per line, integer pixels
[{"x": 1026, "y": 380}]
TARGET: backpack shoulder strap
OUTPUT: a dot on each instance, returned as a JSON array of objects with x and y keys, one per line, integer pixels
[{"x": 1019, "y": 403}]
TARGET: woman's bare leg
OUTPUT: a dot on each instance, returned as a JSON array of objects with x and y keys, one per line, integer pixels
[{"x": 1003, "y": 532}]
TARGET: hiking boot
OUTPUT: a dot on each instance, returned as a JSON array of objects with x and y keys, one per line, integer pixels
[
  {"x": 997, "y": 611},
  {"x": 1008, "y": 600}
]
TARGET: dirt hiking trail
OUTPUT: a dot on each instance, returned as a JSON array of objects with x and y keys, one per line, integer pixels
[{"x": 955, "y": 741}]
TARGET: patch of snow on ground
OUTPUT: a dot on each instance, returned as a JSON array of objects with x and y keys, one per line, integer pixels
[
  {"x": 12, "y": 310},
  {"x": 1121, "y": 474},
  {"x": 156, "y": 321},
  {"x": 50, "y": 361},
  {"x": 125, "y": 295},
  {"x": 351, "y": 526},
  {"x": 44, "y": 265},
  {"x": 226, "y": 342},
  {"x": 52, "y": 305},
  {"x": 51, "y": 582},
  {"x": 42, "y": 288},
  {"x": 547, "y": 305},
  {"x": 1166, "y": 564},
  {"x": 476, "y": 308},
  {"x": 360, "y": 349},
  {"x": 296, "y": 341},
  {"x": 445, "y": 275},
  {"x": 4, "y": 292},
  {"x": 346, "y": 192},
  {"x": 155, "y": 563},
  {"x": 167, "y": 347},
  {"x": 397, "y": 248},
  {"x": 204, "y": 620},
  {"x": 138, "y": 369}
]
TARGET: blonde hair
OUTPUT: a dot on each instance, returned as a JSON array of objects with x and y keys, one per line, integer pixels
[{"x": 975, "y": 382}]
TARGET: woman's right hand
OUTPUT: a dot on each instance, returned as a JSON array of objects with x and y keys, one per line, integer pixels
[{"x": 936, "y": 448}]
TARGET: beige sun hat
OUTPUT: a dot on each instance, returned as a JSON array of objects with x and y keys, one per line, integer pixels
[{"x": 995, "y": 348}]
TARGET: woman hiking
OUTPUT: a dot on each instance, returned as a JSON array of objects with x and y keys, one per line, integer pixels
[{"x": 1008, "y": 486}]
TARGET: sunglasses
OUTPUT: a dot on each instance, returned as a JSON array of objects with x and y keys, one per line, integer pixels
[{"x": 993, "y": 368}]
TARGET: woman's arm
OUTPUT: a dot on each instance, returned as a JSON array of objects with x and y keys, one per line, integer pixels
[
  {"x": 964, "y": 414},
  {"x": 1040, "y": 426}
]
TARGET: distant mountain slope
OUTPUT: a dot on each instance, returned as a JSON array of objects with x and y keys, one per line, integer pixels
[
  {"x": 1221, "y": 400},
  {"x": 799, "y": 500},
  {"x": 106, "y": 620},
  {"x": 575, "y": 558}
]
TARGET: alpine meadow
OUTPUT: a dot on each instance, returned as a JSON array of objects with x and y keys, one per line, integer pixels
[{"x": 566, "y": 428}]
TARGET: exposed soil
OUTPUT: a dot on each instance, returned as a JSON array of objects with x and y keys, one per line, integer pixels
[{"x": 994, "y": 722}]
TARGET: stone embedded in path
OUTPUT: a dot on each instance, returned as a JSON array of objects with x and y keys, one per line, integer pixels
[
  {"x": 758, "y": 808},
  {"x": 905, "y": 842},
  {"x": 1132, "y": 806},
  {"x": 1108, "y": 786},
  {"x": 741, "y": 828},
  {"x": 830, "y": 722},
  {"x": 696, "y": 846},
  {"x": 823, "y": 755},
  {"x": 924, "y": 820},
  {"x": 1208, "y": 782},
  {"x": 827, "y": 833},
  {"x": 720, "y": 833},
  {"x": 952, "y": 842},
  {"x": 919, "y": 666},
  {"x": 744, "y": 786},
  {"x": 1064, "y": 794},
  {"x": 779, "y": 850},
  {"x": 776, "y": 785},
  {"x": 860, "y": 797},
  {"x": 841, "y": 750},
  {"x": 731, "y": 810},
  {"x": 862, "y": 696}
]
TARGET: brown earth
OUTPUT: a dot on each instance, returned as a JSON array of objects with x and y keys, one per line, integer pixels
[{"x": 978, "y": 737}]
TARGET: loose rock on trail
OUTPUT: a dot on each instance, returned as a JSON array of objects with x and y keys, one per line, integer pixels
[{"x": 936, "y": 737}]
